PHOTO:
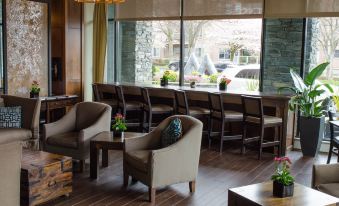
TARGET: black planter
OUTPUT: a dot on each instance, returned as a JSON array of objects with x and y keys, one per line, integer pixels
[
  {"x": 33, "y": 95},
  {"x": 280, "y": 190},
  {"x": 118, "y": 134},
  {"x": 164, "y": 82},
  {"x": 311, "y": 135},
  {"x": 193, "y": 84},
  {"x": 222, "y": 87}
]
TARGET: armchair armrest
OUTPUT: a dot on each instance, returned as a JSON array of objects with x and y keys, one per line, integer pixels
[
  {"x": 323, "y": 174},
  {"x": 64, "y": 125},
  {"x": 101, "y": 125}
]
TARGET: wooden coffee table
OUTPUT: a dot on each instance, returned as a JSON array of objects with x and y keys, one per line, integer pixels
[
  {"x": 105, "y": 141},
  {"x": 44, "y": 176},
  {"x": 261, "y": 194}
]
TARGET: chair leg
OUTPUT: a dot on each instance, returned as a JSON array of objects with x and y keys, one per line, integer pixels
[
  {"x": 192, "y": 186},
  {"x": 149, "y": 125},
  {"x": 222, "y": 136},
  {"x": 260, "y": 142},
  {"x": 81, "y": 166},
  {"x": 244, "y": 133},
  {"x": 210, "y": 129},
  {"x": 126, "y": 179},
  {"x": 151, "y": 194},
  {"x": 330, "y": 154}
]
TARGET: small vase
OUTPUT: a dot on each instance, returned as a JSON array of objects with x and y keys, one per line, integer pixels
[
  {"x": 118, "y": 134},
  {"x": 280, "y": 190},
  {"x": 33, "y": 95},
  {"x": 164, "y": 82},
  {"x": 193, "y": 84},
  {"x": 222, "y": 87}
]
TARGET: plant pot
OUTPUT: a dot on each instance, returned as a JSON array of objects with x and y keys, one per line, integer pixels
[
  {"x": 193, "y": 84},
  {"x": 33, "y": 95},
  {"x": 164, "y": 82},
  {"x": 118, "y": 134},
  {"x": 311, "y": 134},
  {"x": 280, "y": 190},
  {"x": 222, "y": 87}
]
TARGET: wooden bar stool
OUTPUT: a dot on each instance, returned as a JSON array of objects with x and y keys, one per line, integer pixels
[
  {"x": 123, "y": 105},
  {"x": 254, "y": 116},
  {"x": 182, "y": 107},
  {"x": 334, "y": 142},
  {"x": 217, "y": 113},
  {"x": 105, "y": 93},
  {"x": 149, "y": 109}
]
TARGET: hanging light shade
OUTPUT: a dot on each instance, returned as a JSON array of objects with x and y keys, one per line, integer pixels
[{"x": 101, "y": 1}]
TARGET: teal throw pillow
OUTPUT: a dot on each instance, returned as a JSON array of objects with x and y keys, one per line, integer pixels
[
  {"x": 10, "y": 117},
  {"x": 172, "y": 133}
]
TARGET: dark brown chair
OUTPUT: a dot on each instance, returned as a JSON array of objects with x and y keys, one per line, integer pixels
[
  {"x": 254, "y": 116},
  {"x": 105, "y": 93},
  {"x": 334, "y": 141},
  {"x": 124, "y": 106},
  {"x": 149, "y": 109},
  {"x": 183, "y": 108},
  {"x": 217, "y": 113}
]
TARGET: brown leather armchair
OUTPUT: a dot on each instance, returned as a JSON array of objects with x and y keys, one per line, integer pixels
[
  {"x": 29, "y": 133},
  {"x": 325, "y": 178},
  {"x": 146, "y": 161},
  {"x": 71, "y": 135}
]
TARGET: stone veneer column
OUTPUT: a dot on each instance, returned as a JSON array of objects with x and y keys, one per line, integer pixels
[
  {"x": 283, "y": 50},
  {"x": 136, "y": 52}
]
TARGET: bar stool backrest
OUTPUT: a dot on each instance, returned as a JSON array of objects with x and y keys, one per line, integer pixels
[
  {"x": 252, "y": 107},
  {"x": 104, "y": 92},
  {"x": 181, "y": 102},
  {"x": 216, "y": 105},
  {"x": 146, "y": 101},
  {"x": 120, "y": 96}
]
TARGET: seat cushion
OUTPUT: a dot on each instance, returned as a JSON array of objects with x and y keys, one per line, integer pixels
[
  {"x": 133, "y": 105},
  {"x": 199, "y": 111},
  {"x": 138, "y": 159},
  {"x": 10, "y": 117},
  {"x": 161, "y": 108},
  {"x": 331, "y": 189},
  {"x": 172, "y": 133},
  {"x": 112, "y": 103},
  {"x": 69, "y": 140},
  {"x": 233, "y": 115},
  {"x": 267, "y": 120},
  {"x": 14, "y": 134}
]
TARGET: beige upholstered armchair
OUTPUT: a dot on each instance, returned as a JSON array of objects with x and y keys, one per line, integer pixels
[
  {"x": 71, "y": 135},
  {"x": 325, "y": 178},
  {"x": 154, "y": 166},
  {"x": 29, "y": 133}
]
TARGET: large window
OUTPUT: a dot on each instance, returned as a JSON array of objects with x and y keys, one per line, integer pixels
[
  {"x": 147, "y": 49},
  {"x": 230, "y": 48},
  {"x": 110, "y": 44}
]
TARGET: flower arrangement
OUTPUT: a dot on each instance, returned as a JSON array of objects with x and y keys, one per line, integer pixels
[
  {"x": 224, "y": 81},
  {"x": 35, "y": 89},
  {"x": 283, "y": 181},
  {"x": 119, "y": 125}
]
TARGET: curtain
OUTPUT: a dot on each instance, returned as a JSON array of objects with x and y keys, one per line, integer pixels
[
  {"x": 148, "y": 10},
  {"x": 99, "y": 42},
  {"x": 301, "y": 8}
]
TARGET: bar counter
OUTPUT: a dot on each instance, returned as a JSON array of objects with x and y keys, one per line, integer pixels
[{"x": 274, "y": 104}]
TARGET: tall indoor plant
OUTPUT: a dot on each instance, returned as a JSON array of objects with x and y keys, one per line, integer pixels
[{"x": 309, "y": 101}]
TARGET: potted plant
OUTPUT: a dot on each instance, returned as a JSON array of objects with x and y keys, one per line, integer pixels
[
  {"x": 223, "y": 83},
  {"x": 308, "y": 100},
  {"x": 283, "y": 181},
  {"x": 165, "y": 78},
  {"x": 193, "y": 80},
  {"x": 35, "y": 90},
  {"x": 119, "y": 125}
]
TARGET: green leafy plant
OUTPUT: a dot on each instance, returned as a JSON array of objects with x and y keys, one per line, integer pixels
[
  {"x": 225, "y": 81},
  {"x": 307, "y": 92},
  {"x": 336, "y": 101},
  {"x": 214, "y": 78},
  {"x": 119, "y": 123},
  {"x": 35, "y": 89},
  {"x": 282, "y": 174},
  {"x": 170, "y": 75}
]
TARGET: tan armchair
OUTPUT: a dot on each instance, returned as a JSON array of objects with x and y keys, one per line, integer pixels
[
  {"x": 325, "y": 178},
  {"x": 146, "y": 161},
  {"x": 10, "y": 161},
  {"x": 71, "y": 135},
  {"x": 29, "y": 133}
]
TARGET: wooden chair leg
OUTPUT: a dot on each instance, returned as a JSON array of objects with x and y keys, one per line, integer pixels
[
  {"x": 243, "y": 147},
  {"x": 222, "y": 136},
  {"x": 81, "y": 166},
  {"x": 260, "y": 142},
  {"x": 330, "y": 154},
  {"x": 192, "y": 186},
  {"x": 149, "y": 125},
  {"x": 151, "y": 194},
  {"x": 126, "y": 178},
  {"x": 210, "y": 129}
]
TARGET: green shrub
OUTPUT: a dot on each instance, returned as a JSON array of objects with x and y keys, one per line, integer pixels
[{"x": 214, "y": 77}]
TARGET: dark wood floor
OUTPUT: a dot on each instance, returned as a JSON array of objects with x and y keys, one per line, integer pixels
[{"x": 217, "y": 173}]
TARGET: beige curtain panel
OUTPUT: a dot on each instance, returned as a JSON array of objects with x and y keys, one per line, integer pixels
[
  {"x": 214, "y": 9},
  {"x": 301, "y": 8},
  {"x": 99, "y": 42},
  {"x": 148, "y": 10}
]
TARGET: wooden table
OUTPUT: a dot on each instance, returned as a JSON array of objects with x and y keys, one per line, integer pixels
[
  {"x": 261, "y": 194},
  {"x": 44, "y": 176},
  {"x": 105, "y": 141}
]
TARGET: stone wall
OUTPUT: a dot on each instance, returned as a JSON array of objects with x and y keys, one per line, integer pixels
[
  {"x": 282, "y": 51},
  {"x": 136, "y": 59},
  {"x": 311, "y": 43}
]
